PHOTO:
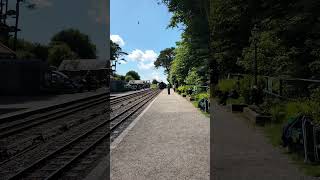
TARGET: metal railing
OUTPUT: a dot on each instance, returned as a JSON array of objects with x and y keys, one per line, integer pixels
[{"x": 282, "y": 87}]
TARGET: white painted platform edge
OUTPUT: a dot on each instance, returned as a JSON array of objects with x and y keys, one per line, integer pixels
[
  {"x": 99, "y": 172},
  {"x": 116, "y": 142}
]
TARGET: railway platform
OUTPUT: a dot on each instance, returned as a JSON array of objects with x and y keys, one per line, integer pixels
[
  {"x": 12, "y": 105},
  {"x": 168, "y": 140},
  {"x": 241, "y": 151}
]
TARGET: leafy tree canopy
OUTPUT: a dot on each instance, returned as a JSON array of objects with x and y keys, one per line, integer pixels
[
  {"x": 129, "y": 78},
  {"x": 78, "y": 42},
  {"x": 116, "y": 51},
  {"x": 29, "y": 50},
  {"x": 58, "y": 53},
  {"x": 165, "y": 58},
  {"x": 133, "y": 74},
  {"x": 154, "y": 81},
  {"x": 119, "y": 77}
]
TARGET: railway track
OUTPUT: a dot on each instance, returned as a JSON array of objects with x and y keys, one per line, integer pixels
[
  {"x": 54, "y": 164},
  {"x": 21, "y": 135},
  {"x": 9, "y": 128}
]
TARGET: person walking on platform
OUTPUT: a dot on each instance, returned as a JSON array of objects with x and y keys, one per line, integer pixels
[
  {"x": 88, "y": 78},
  {"x": 168, "y": 88}
]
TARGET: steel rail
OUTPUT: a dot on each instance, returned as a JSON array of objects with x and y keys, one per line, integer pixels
[
  {"x": 17, "y": 127},
  {"x": 84, "y": 135}
]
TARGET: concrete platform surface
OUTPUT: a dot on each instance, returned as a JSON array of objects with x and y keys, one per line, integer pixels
[
  {"x": 170, "y": 141},
  {"x": 242, "y": 152}
]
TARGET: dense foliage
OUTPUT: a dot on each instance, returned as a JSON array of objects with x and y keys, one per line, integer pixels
[
  {"x": 29, "y": 50},
  {"x": 78, "y": 42},
  {"x": 154, "y": 81},
  {"x": 66, "y": 44},
  {"x": 165, "y": 58},
  {"x": 115, "y": 51},
  {"x": 279, "y": 38},
  {"x": 134, "y": 75},
  {"x": 219, "y": 34},
  {"x": 60, "y": 52}
]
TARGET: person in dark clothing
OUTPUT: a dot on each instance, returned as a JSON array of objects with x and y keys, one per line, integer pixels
[
  {"x": 168, "y": 89},
  {"x": 89, "y": 80}
]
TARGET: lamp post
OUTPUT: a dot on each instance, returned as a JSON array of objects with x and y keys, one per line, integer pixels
[{"x": 255, "y": 64}]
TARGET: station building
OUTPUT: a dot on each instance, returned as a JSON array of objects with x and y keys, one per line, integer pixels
[{"x": 77, "y": 68}]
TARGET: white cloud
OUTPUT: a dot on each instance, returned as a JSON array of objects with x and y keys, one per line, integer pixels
[
  {"x": 41, "y": 3},
  {"x": 140, "y": 56},
  {"x": 117, "y": 39},
  {"x": 146, "y": 59},
  {"x": 156, "y": 75},
  {"x": 145, "y": 66}
]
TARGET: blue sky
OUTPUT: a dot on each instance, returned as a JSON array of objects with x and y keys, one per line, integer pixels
[
  {"x": 139, "y": 27},
  {"x": 52, "y": 16}
]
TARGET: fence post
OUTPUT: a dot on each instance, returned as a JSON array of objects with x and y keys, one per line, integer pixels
[
  {"x": 206, "y": 106},
  {"x": 280, "y": 87}
]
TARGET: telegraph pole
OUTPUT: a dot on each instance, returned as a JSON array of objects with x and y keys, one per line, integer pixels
[
  {"x": 5, "y": 13},
  {"x": 1, "y": 10},
  {"x": 16, "y": 25}
]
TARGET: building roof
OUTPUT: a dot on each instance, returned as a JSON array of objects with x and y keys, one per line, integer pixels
[
  {"x": 136, "y": 82},
  {"x": 5, "y": 51},
  {"x": 82, "y": 64}
]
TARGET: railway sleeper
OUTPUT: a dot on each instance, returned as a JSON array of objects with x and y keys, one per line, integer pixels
[
  {"x": 37, "y": 139},
  {"x": 4, "y": 154},
  {"x": 21, "y": 146}
]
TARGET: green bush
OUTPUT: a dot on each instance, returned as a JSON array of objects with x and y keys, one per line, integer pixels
[
  {"x": 315, "y": 96},
  {"x": 183, "y": 89},
  {"x": 245, "y": 91},
  {"x": 226, "y": 85},
  {"x": 200, "y": 96},
  {"x": 278, "y": 113},
  {"x": 296, "y": 108},
  {"x": 240, "y": 100},
  {"x": 283, "y": 111},
  {"x": 154, "y": 86}
]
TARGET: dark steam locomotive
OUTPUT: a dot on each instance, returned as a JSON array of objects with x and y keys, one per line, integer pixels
[{"x": 162, "y": 85}]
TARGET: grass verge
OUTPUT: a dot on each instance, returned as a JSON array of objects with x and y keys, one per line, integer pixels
[
  {"x": 273, "y": 132},
  {"x": 195, "y": 104}
]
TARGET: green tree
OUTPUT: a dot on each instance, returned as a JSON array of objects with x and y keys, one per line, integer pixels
[
  {"x": 119, "y": 77},
  {"x": 30, "y": 50},
  {"x": 58, "y": 53},
  {"x": 165, "y": 58},
  {"x": 154, "y": 81},
  {"x": 193, "y": 78},
  {"x": 116, "y": 51},
  {"x": 78, "y": 42},
  {"x": 134, "y": 75},
  {"x": 129, "y": 78},
  {"x": 40, "y": 51}
]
